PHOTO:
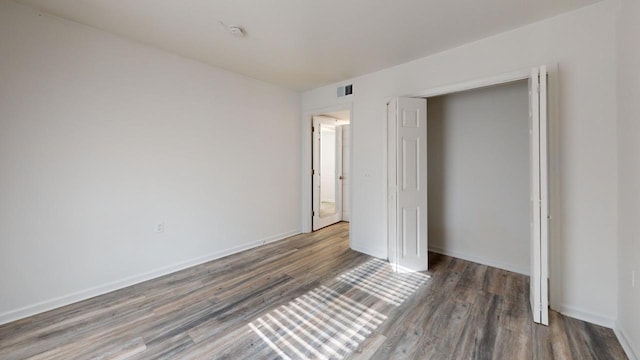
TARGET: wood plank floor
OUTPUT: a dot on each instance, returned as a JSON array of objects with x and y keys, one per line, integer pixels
[{"x": 310, "y": 296}]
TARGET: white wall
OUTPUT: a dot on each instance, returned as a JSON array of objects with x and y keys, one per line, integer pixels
[
  {"x": 101, "y": 137},
  {"x": 583, "y": 251},
  {"x": 628, "y": 94},
  {"x": 478, "y": 166}
]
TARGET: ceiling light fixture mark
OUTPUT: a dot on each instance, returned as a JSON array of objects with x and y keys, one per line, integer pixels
[{"x": 234, "y": 30}]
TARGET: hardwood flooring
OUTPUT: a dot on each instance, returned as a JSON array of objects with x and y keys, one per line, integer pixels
[{"x": 310, "y": 296}]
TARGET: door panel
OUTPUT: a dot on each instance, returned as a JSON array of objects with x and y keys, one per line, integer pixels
[
  {"x": 392, "y": 186},
  {"x": 539, "y": 196},
  {"x": 410, "y": 164},
  {"x": 315, "y": 173},
  {"x": 544, "y": 197},
  {"x": 408, "y": 154}
]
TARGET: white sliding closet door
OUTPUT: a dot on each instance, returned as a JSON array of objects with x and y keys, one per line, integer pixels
[{"x": 539, "y": 291}]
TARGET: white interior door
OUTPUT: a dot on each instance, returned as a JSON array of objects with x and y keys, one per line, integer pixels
[
  {"x": 407, "y": 177},
  {"x": 326, "y": 172},
  {"x": 539, "y": 292}
]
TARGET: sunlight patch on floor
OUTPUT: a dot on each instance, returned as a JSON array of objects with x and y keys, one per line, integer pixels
[
  {"x": 322, "y": 324},
  {"x": 376, "y": 277},
  {"x": 326, "y": 324}
]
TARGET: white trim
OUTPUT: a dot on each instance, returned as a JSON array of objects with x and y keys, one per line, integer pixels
[
  {"x": 368, "y": 251},
  {"x": 476, "y": 83},
  {"x": 632, "y": 353},
  {"x": 391, "y": 182},
  {"x": 479, "y": 260},
  {"x": 587, "y": 316},
  {"x": 535, "y": 241},
  {"x": 60, "y": 301}
]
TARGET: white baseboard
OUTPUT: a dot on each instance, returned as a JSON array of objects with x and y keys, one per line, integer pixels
[
  {"x": 479, "y": 260},
  {"x": 632, "y": 353},
  {"x": 57, "y": 302},
  {"x": 365, "y": 250},
  {"x": 585, "y": 316}
]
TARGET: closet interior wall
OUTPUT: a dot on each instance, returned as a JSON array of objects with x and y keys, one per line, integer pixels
[{"x": 478, "y": 175}]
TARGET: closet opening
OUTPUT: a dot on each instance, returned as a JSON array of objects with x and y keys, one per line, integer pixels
[
  {"x": 478, "y": 175},
  {"x": 468, "y": 177}
]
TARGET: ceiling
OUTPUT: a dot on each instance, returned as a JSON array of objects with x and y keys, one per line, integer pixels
[{"x": 302, "y": 44}]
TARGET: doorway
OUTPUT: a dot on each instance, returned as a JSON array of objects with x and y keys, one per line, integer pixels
[
  {"x": 407, "y": 180},
  {"x": 478, "y": 185},
  {"x": 330, "y": 168}
]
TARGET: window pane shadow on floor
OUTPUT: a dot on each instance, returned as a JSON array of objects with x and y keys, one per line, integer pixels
[{"x": 328, "y": 322}]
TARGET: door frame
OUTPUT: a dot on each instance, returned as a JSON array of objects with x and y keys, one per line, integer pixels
[
  {"x": 555, "y": 286},
  {"x": 307, "y": 162},
  {"x": 319, "y": 222}
]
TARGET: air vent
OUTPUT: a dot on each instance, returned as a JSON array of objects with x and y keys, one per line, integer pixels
[{"x": 345, "y": 90}]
